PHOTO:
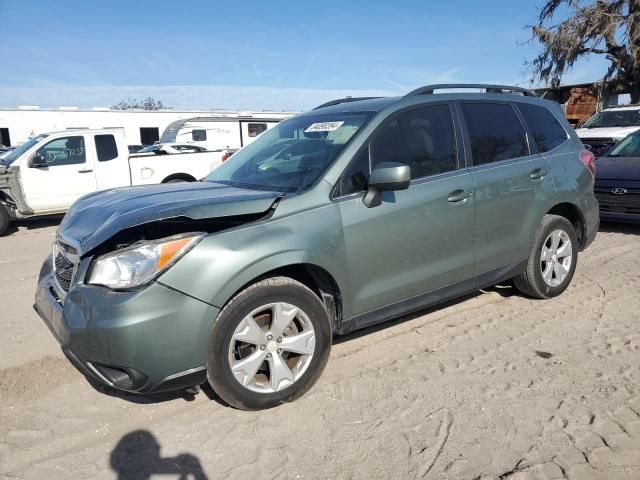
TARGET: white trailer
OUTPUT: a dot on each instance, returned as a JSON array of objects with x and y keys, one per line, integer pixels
[
  {"x": 222, "y": 132},
  {"x": 140, "y": 127}
]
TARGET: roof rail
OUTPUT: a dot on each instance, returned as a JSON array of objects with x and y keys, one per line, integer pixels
[
  {"x": 429, "y": 89},
  {"x": 343, "y": 100}
]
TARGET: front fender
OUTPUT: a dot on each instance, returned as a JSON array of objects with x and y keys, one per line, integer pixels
[{"x": 222, "y": 263}]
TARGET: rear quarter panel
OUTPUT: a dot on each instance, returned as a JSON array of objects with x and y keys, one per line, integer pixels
[{"x": 573, "y": 184}]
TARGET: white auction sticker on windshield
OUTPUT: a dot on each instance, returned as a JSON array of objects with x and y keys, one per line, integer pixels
[{"x": 323, "y": 127}]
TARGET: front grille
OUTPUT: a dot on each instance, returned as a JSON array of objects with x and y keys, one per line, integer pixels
[
  {"x": 64, "y": 267},
  {"x": 64, "y": 271},
  {"x": 610, "y": 202}
]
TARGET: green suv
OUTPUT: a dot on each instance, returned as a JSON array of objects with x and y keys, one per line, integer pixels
[{"x": 356, "y": 212}]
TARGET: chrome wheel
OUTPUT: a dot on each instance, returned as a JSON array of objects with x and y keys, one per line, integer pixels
[
  {"x": 556, "y": 258},
  {"x": 272, "y": 347}
]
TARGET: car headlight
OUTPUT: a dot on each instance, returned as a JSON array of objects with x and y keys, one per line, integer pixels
[{"x": 140, "y": 263}]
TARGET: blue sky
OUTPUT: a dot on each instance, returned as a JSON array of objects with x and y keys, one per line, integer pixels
[{"x": 257, "y": 55}]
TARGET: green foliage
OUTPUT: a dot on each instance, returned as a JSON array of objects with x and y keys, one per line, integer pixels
[
  {"x": 610, "y": 28},
  {"x": 148, "y": 103}
]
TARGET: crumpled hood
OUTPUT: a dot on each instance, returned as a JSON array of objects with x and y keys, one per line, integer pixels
[
  {"x": 606, "y": 132},
  {"x": 96, "y": 217},
  {"x": 618, "y": 168}
]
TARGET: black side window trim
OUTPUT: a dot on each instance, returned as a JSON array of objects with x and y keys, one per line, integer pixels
[
  {"x": 461, "y": 154},
  {"x": 531, "y": 146}
]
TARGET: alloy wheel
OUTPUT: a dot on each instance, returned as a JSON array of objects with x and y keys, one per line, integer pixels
[
  {"x": 556, "y": 258},
  {"x": 271, "y": 347}
]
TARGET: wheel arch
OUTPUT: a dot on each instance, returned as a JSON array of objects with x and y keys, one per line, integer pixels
[
  {"x": 316, "y": 278},
  {"x": 572, "y": 213},
  {"x": 179, "y": 176}
]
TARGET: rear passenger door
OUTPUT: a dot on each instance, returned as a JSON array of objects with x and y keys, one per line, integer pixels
[
  {"x": 512, "y": 181},
  {"x": 420, "y": 239}
]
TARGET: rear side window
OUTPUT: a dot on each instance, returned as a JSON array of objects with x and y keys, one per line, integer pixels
[
  {"x": 106, "y": 147},
  {"x": 495, "y": 132},
  {"x": 545, "y": 128},
  {"x": 199, "y": 135}
]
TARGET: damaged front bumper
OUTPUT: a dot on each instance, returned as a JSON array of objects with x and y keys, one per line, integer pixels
[{"x": 142, "y": 341}]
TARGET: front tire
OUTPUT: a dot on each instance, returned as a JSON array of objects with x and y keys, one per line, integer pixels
[
  {"x": 4, "y": 220},
  {"x": 552, "y": 259},
  {"x": 269, "y": 344}
]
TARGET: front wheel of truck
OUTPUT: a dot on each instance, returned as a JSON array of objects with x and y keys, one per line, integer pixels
[
  {"x": 269, "y": 344},
  {"x": 4, "y": 220}
]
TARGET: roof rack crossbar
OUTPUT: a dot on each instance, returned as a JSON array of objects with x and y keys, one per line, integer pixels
[
  {"x": 343, "y": 100},
  {"x": 429, "y": 89}
]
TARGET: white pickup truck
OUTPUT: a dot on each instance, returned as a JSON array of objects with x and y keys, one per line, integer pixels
[{"x": 45, "y": 175}]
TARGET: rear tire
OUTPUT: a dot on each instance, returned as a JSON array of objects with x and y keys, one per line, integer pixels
[
  {"x": 552, "y": 259},
  {"x": 269, "y": 344},
  {"x": 4, "y": 220}
]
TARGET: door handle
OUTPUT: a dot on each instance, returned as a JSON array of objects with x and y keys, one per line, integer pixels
[
  {"x": 85, "y": 171},
  {"x": 458, "y": 196},
  {"x": 537, "y": 173}
]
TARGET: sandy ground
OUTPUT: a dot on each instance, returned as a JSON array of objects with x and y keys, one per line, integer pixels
[{"x": 492, "y": 386}]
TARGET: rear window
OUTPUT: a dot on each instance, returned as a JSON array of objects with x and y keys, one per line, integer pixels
[
  {"x": 106, "y": 147},
  {"x": 495, "y": 132},
  {"x": 545, "y": 128}
]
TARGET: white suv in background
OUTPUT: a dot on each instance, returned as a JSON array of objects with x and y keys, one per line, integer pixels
[{"x": 608, "y": 127}]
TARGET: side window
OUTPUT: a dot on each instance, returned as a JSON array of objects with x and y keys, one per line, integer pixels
[
  {"x": 256, "y": 129},
  {"x": 355, "y": 177},
  {"x": 64, "y": 151},
  {"x": 199, "y": 135},
  {"x": 423, "y": 138},
  {"x": 149, "y": 135},
  {"x": 495, "y": 132},
  {"x": 106, "y": 147},
  {"x": 545, "y": 128}
]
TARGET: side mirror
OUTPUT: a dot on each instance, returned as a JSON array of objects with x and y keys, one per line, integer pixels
[
  {"x": 38, "y": 161},
  {"x": 387, "y": 176}
]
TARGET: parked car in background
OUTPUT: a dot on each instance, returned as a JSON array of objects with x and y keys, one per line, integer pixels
[
  {"x": 49, "y": 172},
  {"x": 331, "y": 221},
  {"x": 608, "y": 127},
  {"x": 170, "y": 148},
  {"x": 617, "y": 185}
]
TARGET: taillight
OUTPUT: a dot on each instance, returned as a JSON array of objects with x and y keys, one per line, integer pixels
[{"x": 589, "y": 159}]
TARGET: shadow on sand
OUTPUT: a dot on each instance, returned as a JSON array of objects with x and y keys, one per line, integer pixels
[
  {"x": 34, "y": 223},
  {"x": 624, "y": 228},
  {"x": 137, "y": 457}
]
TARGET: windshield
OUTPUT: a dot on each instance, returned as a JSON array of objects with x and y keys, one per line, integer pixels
[
  {"x": 614, "y": 118},
  {"x": 291, "y": 156},
  {"x": 628, "y": 147},
  {"x": 13, "y": 156}
]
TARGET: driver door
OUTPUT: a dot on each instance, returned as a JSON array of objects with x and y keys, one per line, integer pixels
[
  {"x": 68, "y": 173},
  {"x": 418, "y": 240}
]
